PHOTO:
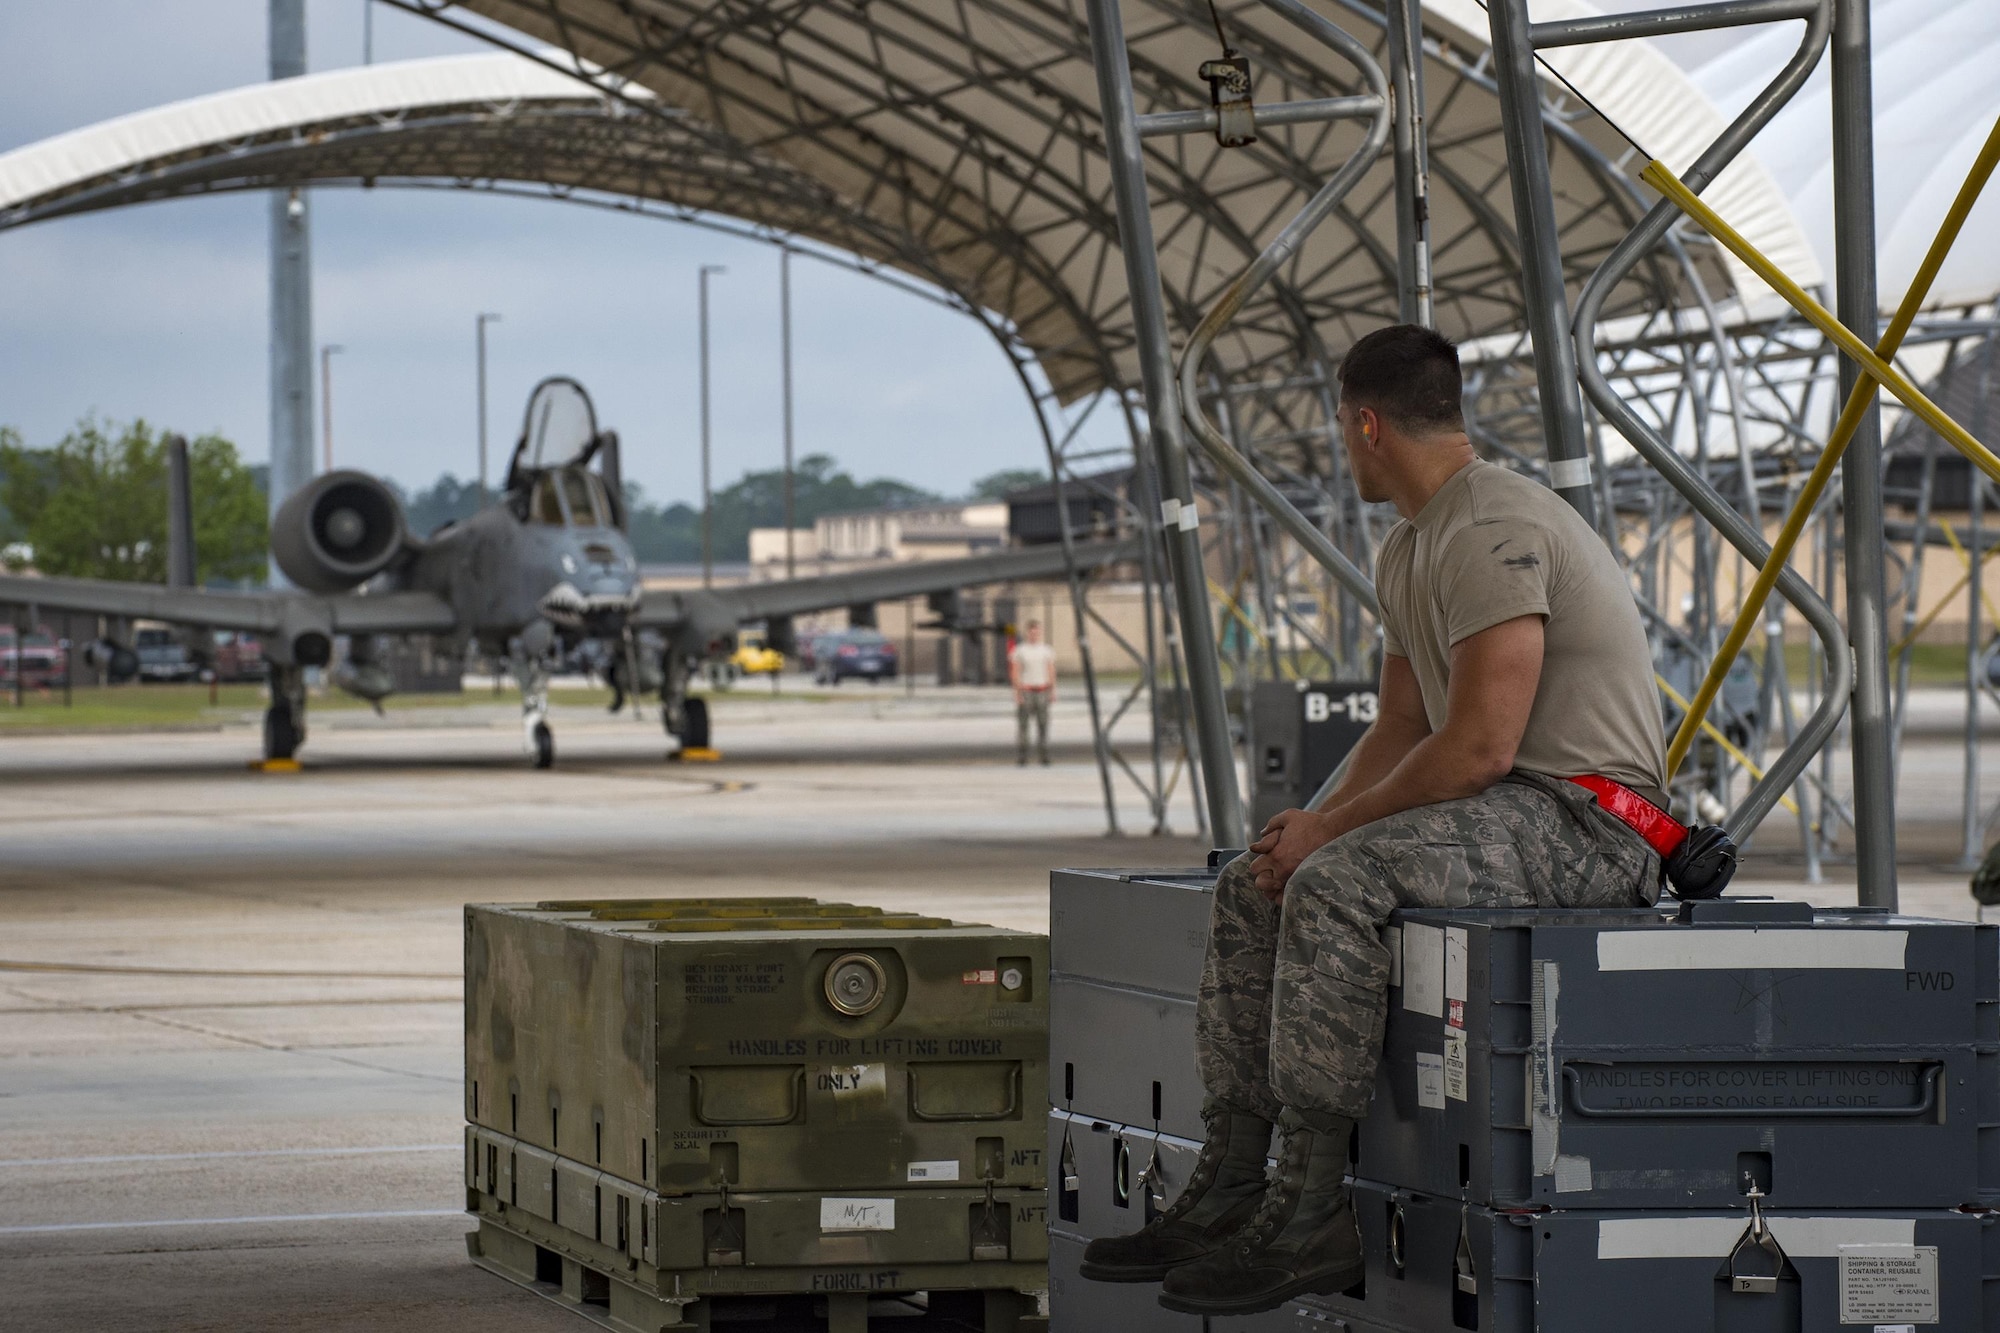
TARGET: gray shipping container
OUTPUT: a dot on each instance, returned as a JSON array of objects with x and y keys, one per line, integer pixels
[
  {"x": 1436, "y": 1264},
  {"x": 1835, "y": 1058},
  {"x": 1593, "y": 1059},
  {"x": 1125, "y": 951}
]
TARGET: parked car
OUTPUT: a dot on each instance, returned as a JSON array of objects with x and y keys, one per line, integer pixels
[
  {"x": 163, "y": 657},
  {"x": 39, "y": 662},
  {"x": 856, "y": 652},
  {"x": 238, "y": 657},
  {"x": 814, "y": 645}
]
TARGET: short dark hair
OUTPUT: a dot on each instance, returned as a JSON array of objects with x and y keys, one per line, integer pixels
[{"x": 1409, "y": 374}]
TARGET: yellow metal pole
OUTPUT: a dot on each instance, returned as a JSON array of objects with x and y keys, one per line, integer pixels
[
  {"x": 1965, "y": 560},
  {"x": 1715, "y": 734},
  {"x": 1660, "y": 178}
]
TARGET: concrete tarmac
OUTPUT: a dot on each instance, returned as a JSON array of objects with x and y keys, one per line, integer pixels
[
  {"x": 230, "y": 1031},
  {"x": 230, "y": 1025}
]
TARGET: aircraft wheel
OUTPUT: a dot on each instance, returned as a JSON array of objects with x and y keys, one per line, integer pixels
[
  {"x": 281, "y": 732},
  {"x": 545, "y": 746},
  {"x": 694, "y": 732}
]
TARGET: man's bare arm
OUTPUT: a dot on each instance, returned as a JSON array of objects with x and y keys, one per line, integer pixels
[{"x": 1494, "y": 675}]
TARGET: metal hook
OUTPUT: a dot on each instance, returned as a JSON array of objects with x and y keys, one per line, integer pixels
[{"x": 1757, "y": 1236}]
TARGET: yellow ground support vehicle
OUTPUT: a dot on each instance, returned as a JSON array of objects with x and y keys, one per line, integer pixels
[{"x": 755, "y": 657}]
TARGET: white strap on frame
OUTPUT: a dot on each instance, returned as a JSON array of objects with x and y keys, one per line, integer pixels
[{"x": 1565, "y": 473}]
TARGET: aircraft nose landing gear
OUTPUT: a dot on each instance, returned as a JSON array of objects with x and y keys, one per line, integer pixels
[{"x": 528, "y": 656}]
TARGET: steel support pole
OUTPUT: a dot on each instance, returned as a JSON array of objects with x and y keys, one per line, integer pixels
[
  {"x": 1179, "y": 531},
  {"x": 1861, "y": 470},
  {"x": 1404, "y": 23},
  {"x": 326, "y": 355},
  {"x": 707, "y": 487},
  {"x": 180, "y": 515},
  {"x": 785, "y": 340},
  {"x": 291, "y": 296},
  {"x": 1541, "y": 256},
  {"x": 1970, "y": 848},
  {"x": 479, "y": 324}
]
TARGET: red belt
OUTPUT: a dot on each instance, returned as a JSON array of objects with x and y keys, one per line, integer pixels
[{"x": 1662, "y": 832}]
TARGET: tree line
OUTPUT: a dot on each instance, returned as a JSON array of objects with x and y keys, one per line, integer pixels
[{"x": 94, "y": 505}]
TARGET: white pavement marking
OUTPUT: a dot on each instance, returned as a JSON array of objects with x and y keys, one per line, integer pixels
[
  {"x": 212, "y": 1156},
  {"x": 232, "y": 1221}
]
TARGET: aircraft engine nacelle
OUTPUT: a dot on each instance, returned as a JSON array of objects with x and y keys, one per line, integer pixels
[{"x": 337, "y": 531}]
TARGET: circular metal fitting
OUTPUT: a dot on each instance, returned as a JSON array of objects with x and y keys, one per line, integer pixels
[
  {"x": 855, "y": 984},
  {"x": 1011, "y": 979}
]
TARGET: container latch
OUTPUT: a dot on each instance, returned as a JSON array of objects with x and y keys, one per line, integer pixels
[{"x": 1756, "y": 1237}]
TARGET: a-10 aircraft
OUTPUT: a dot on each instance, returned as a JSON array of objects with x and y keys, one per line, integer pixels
[{"x": 544, "y": 571}]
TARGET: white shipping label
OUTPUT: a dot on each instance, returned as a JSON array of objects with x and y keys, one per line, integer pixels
[
  {"x": 1423, "y": 970},
  {"x": 933, "y": 1171},
  {"x": 1430, "y": 1081},
  {"x": 1454, "y": 1064},
  {"x": 1456, "y": 946},
  {"x": 1888, "y": 1283},
  {"x": 1392, "y": 936},
  {"x": 857, "y": 1214}
]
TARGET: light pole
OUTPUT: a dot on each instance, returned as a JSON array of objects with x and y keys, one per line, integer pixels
[
  {"x": 326, "y": 352},
  {"x": 479, "y": 328},
  {"x": 367, "y": 32},
  {"x": 785, "y": 338},
  {"x": 707, "y": 505}
]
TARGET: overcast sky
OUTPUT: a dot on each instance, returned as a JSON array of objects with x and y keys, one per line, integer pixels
[{"x": 161, "y": 311}]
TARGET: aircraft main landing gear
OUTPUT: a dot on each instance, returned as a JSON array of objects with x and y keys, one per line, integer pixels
[
  {"x": 285, "y": 717},
  {"x": 683, "y": 718},
  {"x": 694, "y": 731}
]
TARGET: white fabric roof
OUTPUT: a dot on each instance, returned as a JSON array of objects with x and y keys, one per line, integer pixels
[
  {"x": 1656, "y": 102},
  {"x": 204, "y": 124},
  {"x": 1936, "y": 96}
]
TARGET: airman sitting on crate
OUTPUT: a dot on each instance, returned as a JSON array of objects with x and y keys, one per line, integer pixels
[{"x": 1518, "y": 761}]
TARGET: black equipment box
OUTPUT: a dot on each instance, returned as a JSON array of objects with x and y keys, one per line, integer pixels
[{"x": 1303, "y": 730}]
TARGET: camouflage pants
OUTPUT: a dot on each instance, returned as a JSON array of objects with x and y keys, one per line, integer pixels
[
  {"x": 1032, "y": 710},
  {"x": 1293, "y": 995}
]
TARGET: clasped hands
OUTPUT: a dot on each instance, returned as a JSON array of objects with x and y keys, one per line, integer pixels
[{"x": 1290, "y": 837}]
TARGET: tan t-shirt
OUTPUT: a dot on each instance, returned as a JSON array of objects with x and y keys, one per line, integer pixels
[{"x": 1490, "y": 546}]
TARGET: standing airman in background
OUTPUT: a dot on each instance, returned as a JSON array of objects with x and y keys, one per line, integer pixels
[{"x": 1031, "y": 670}]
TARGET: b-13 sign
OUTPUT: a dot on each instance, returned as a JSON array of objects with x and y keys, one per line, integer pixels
[{"x": 1362, "y": 706}]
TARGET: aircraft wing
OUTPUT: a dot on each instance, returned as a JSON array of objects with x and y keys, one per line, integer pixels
[
  {"x": 249, "y": 612},
  {"x": 790, "y": 597}
]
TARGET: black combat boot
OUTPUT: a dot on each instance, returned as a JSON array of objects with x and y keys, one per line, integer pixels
[
  {"x": 1222, "y": 1194},
  {"x": 1304, "y": 1238}
]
